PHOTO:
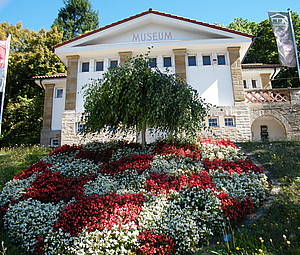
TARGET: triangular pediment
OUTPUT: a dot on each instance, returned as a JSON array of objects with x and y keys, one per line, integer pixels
[
  {"x": 153, "y": 32},
  {"x": 152, "y": 26}
]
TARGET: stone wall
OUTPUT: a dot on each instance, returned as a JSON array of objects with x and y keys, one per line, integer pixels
[
  {"x": 286, "y": 113},
  {"x": 242, "y": 129},
  {"x": 69, "y": 133}
]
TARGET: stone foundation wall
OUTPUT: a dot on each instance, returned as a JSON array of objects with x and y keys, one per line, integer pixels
[
  {"x": 69, "y": 133},
  {"x": 288, "y": 114},
  {"x": 242, "y": 129}
]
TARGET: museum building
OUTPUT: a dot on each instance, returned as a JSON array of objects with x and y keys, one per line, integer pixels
[{"x": 208, "y": 57}]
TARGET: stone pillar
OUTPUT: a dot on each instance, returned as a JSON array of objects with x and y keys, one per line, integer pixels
[
  {"x": 71, "y": 86},
  {"x": 47, "y": 118},
  {"x": 180, "y": 66},
  {"x": 265, "y": 80},
  {"x": 236, "y": 74},
  {"x": 124, "y": 57}
]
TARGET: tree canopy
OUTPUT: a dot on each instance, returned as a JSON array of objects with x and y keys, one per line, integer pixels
[
  {"x": 31, "y": 54},
  {"x": 77, "y": 17},
  {"x": 264, "y": 48},
  {"x": 136, "y": 96}
]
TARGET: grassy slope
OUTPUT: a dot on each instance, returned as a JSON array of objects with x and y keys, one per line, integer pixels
[
  {"x": 282, "y": 218},
  {"x": 278, "y": 230},
  {"x": 12, "y": 161}
]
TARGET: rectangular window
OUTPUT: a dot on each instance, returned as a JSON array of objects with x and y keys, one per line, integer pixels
[
  {"x": 59, "y": 93},
  {"x": 113, "y": 63},
  {"x": 54, "y": 142},
  {"x": 85, "y": 67},
  {"x": 254, "y": 84},
  {"x": 192, "y": 61},
  {"x": 213, "y": 122},
  {"x": 153, "y": 62},
  {"x": 79, "y": 127},
  {"x": 245, "y": 84},
  {"x": 229, "y": 122},
  {"x": 221, "y": 60},
  {"x": 99, "y": 66},
  {"x": 167, "y": 62},
  {"x": 206, "y": 60}
]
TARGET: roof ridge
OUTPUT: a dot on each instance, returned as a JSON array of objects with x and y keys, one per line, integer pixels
[{"x": 157, "y": 13}]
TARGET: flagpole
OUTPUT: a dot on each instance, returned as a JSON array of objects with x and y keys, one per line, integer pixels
[
  {"x": 295, "y": 43},
  {"x": 4, "y": 80}
]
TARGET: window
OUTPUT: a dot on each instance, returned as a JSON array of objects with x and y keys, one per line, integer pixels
[
  {"x": 229, "y": 122},
  {"x": 167, "y": 62},
  {"x": 113, "y": 63},
  {"x": 54, "y": 142},
  {"x": 153, "y": 62},
  {"x": 99, "y": 66},
  {"x": 245, "y": 84},
  {"x": 213, "y": 122},
  {"x": 221, "y": 60},
  {"x": 59, "y": 92},
  {"x": 254, "y": 84},
  {"x": 79, "y": 127},
  {"x": 192, "y": 61},
  {"x": 85, "y": 67},
  {"x": 206, "y": 60}
]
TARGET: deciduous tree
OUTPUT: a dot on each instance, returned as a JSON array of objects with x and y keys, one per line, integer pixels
[
  {"x": 31, "y": 54},
  {"x": 137, "y": 96}
]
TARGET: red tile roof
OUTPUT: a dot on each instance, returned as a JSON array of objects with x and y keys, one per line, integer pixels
[
  {"x": 57, "y": 75},
  {"x": 259, "y": 65},
  {"x": 157, "y": 13}
]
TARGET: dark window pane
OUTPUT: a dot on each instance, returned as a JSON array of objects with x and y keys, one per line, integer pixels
[
  {"x": 192, "y": 60},
  {"x": 85, "y": 67},
  {"x": 99, "y": 66},
  {"x": 167, "y": 62},
  {"x": 221, "y": 60},
  {"x": 153, "y": 62},
  {"x": 206, "y": 60},
  {"x": 113, "y": 63}
]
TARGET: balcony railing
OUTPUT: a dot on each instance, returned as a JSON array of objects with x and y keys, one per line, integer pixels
[{"x": 267, "y": 95}]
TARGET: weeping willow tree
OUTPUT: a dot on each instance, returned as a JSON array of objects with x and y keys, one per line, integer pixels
[{"x": 137, "y": 97}]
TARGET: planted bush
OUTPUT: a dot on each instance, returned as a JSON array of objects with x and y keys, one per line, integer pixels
[{"x": 119, "y": 198}]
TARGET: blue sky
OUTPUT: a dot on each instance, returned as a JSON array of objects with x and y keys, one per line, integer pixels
[{"x": 37, "y": 14}]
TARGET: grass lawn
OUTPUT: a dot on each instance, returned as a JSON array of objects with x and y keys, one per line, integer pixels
[
  {"x": 277, "y": 231},
  {"x": 12, "y": 161}
]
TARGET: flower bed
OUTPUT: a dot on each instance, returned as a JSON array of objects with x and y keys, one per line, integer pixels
[{"x": 119, "y": 198}]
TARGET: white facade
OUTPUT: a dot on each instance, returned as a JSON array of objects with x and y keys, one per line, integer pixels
[{"x": 207, "y": 61}]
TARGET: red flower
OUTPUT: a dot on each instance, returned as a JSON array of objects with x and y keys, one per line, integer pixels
[
  {"x": 186, "y": 150},
  {"x": 235, "y": 209},
  {"x": 139, "y": 163},
  {"x": 40, "y": 166},
  {"x": 160, "y": 183},
  {"x": 66, "y": 149},
  {"x": 217, "y": 142},
  {"x": 99, "y": 212},
  {"x": 103, "y": 156},
  {"x": 54, "y": 187},
  {"x": 152, "y": 243},
  {"x": 238, "y": 166}
]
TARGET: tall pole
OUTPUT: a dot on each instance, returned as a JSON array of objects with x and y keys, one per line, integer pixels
[
  {"x": 295, "y": 43},
  {"x": 4, "y": 80}
]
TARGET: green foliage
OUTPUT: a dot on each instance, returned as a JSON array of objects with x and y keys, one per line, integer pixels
[
  {"x": 277, "y": 231},
  {"x": 135, "y": 96},
  {"x": 22, "y": 121},
  {"x": 31, "y": 54},
  {"x": 264, "y": 48},
  {"x": 77, "y": 17},
  {"x": 12, "y": 161}
]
